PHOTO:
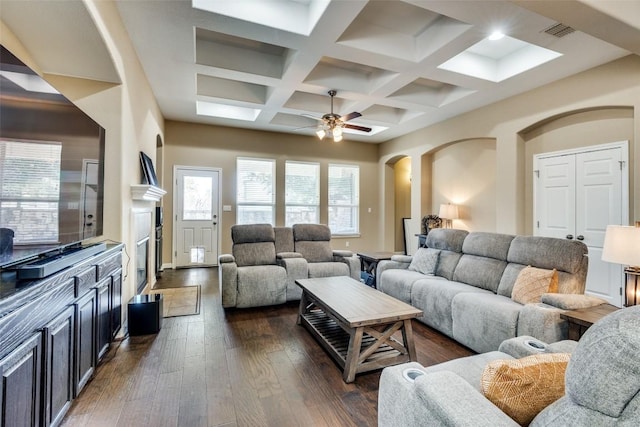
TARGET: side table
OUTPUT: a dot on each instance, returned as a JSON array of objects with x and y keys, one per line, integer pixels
[
  {"x": 369, "y": 262},
  {"x": 580, "y": 320}
]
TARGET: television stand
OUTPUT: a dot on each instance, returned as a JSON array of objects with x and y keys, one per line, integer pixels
[{"x": 51, "y": 264}]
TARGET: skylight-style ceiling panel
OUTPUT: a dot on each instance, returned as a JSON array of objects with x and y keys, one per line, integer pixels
[
  {"x": 230, "y": 89},
  {"x": 296, "y": 16},
  {"x": 498, "y": 60},
  {"x": 401, "y": 30},
  {"x": 391, "y": 115},
  {"x": 234, "y": 112},
  {"x": 312, "y": 102},
  {"x": 239, "y": 54}
]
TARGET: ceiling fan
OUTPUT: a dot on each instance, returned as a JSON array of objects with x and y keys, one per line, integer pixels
[{"x": 332, "y": 124}]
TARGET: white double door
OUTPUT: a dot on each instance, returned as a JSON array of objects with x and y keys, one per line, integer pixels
[
  {"x": 197, "y": 216},
  {"x": 576, "y": 195}
]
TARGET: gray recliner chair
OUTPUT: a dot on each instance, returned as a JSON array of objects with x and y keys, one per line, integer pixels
[
  {"x": 251, "y": 277},
  {"x": 313, "y": 242},
  {"x": 602, "y": 384}
]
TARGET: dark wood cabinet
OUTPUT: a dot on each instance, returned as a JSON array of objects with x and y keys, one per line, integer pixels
[
  {"x": 53, "y": 333},
  {"x": 59, "y": 343},
  {"x": 104, "y": 317},
  {"x": 21, "y": 384},
  {"x": 86, "y": 360}
]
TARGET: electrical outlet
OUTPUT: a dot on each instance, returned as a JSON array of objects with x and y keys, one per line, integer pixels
[
  {"x": 369, "y": 210},
  {"x": 346, "y": 243}
]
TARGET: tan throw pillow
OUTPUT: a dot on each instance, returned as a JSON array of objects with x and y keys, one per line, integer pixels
[
  {"x": 532, "y": 282},
  {"x": 522, "y": 388}
]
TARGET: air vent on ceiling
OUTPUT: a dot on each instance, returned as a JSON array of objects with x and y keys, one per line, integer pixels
[{"x": 559, "y": 30}]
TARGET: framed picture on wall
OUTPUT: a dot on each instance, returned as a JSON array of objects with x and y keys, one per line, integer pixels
[{"x": 148, "y": 172}]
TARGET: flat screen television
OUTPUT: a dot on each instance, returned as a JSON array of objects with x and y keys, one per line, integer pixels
[{"x": 51, "y": 167}]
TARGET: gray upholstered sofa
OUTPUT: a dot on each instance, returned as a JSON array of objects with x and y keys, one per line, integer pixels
[
  {"x": 469, "y": 296},
  {"x": 602, "y": 384},
  {"x": 266, "y": 261}
]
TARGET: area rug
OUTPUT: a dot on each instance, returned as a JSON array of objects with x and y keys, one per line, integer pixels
[{"x": 184, "y": 301}]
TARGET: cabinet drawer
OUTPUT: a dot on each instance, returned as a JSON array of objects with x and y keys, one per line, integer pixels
[
  {"x": 107, "y": 266},
  {"x": 85, "y": 280}
]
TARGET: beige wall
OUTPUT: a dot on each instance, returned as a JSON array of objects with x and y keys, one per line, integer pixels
[
  {"x": 188, "y": 144},
  {"x": 129, "y": 114},
  {"x": 464, "y": 174},
  {"x": 402, "y": 191},
  {"x": 615, "y": 84}
]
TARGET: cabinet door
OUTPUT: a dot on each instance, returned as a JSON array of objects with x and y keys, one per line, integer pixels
[
  {"x": 104, "y": 317},
  {"x": 58, "y": 367},
  {"x": 86, "y": 320},
  {"x": 116, "y": 303},
  {"x": 21, "y": 387}
]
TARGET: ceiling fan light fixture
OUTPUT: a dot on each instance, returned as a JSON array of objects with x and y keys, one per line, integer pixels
[
  {"x": 336, "y": 137},
  {"x": 321, "y": 132},
  {"x": 337, "y": 131}
]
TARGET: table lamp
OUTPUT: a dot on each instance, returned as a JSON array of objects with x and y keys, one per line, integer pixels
[
  {"x": 622, "y": 246},
  {"x": 448, "y": 213}
]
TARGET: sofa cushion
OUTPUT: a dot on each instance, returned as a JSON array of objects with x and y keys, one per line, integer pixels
[
  {"x": 479, "y": 271},
  {"x": 263, "y": 285},
  {"x": 490, "y": 245},
  {"x": 524, "y": 387},
  {"x": 482, "y": 321},
  {"x": 425, "y": 261},
  {"x": 398, "y": 283},
  {"x": 248, "y": 254},
  {"x": 313, "y": 241},
  {"x": 447, "y": 239},
  {"x": 532, "y": 282},
  {"x": 327, "y": 269},
  {"x": 470, "y": 368},
  {"x": 283, "y": 239},
  {"x": 434, "y": 295}
]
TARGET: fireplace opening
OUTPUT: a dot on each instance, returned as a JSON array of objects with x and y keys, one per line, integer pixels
[{"x": 142, "y": 264}]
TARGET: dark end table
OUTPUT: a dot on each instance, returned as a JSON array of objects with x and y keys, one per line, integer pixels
[
  {"x": 580, "y": 320},
  {"x": 369, "y": 262}
]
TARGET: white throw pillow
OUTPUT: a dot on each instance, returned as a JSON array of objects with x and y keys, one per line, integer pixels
[{"x": 425, "y": 261}]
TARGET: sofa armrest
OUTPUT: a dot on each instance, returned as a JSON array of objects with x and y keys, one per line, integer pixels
[
  {"x": 434, "y": 399},
  {"x": 286, "y": 255},
  {"x": 571, "y": 301},
  {"x": 542, "y": 322},
  {"x": 225, "y": 258},
  {"x": 390, "y": 264},
  {"x": 228, "y": 281},
  {"x": 402, "y": 258},
  {"x": 353, "y": 262}
]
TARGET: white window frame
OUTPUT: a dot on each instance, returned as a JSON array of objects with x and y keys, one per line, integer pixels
[
  {"x": 354, "y": 206},
  {"x": 271, "y": 203},
  {"x": 315, "y": 206}
]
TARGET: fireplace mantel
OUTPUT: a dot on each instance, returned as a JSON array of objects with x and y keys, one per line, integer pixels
[{"x": 149, "y": 193}]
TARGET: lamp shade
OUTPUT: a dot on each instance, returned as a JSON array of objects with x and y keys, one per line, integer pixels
[
  {"x": 622, "y": 245},
  {"x": 448, "y": 211}
]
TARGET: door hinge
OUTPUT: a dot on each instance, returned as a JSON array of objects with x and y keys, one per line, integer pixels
[
  {"x": 621, "y": 164},
  {"x": 538, "y": 224},
  {"x": 537, "y": 172},
  {"x": 621, "y": 291},
  {"x": 176, "y": 253}
]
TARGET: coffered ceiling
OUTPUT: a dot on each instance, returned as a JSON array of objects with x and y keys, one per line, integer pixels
[{"x": 403, "y": 64}]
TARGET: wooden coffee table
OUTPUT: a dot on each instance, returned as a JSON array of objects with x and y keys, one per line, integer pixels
[{"x": 355, "y": 323}]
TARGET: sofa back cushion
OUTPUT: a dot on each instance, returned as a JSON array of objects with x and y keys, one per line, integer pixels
[
  {"x": 449, "y": 241},
  {"x": 284, "y": 239},
  {"x": 568, "y": 257},
  {"x": 313, "y": 241},
  {"x": 253, "y": 244},
  {"x": 484, "y": 260}
]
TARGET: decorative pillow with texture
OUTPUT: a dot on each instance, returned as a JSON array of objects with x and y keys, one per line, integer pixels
[
  {"x": 522, "y": 388},
  {"x": 532, "y": 282},
  {"x": 425, "y": 261}
]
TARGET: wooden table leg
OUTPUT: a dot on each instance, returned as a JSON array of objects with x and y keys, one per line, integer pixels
[
  {"x": 303, "y": 307},
  {"x": 407, "y": 336},
  {"x": 353, "y": 354}
]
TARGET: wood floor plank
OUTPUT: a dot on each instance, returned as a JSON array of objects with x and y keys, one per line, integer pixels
[{"x": 232, "y": 368}]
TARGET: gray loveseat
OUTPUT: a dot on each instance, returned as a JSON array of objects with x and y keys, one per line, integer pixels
[
  {"x": 602, "y": 384},
  {"x": 266, "y": 261},
  {"x": 469, "y": 296}
]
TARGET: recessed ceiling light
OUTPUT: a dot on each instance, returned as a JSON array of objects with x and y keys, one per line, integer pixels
[{"x": 496, "y": 35}]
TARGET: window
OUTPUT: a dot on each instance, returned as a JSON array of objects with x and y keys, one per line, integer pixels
[
  {"x": 344, "y": 199},
  {"x": 255, "y": 188},
  {"x": 302, "y": 193},
  {"x": 30, "y": 171}
]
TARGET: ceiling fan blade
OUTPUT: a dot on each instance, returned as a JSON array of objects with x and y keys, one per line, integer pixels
[
  {"x": 350, "y": 116},
  {"x": 356, "y": 127},
  {"x": 311, "y": 116}
]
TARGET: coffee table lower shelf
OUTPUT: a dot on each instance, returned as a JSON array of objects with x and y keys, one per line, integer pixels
[{"x": 370, "y": 355}]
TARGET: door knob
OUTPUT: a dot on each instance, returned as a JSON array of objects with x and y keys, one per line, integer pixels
[
  {"x": 215, "y": 223},
  {"x": 569, "y": 236},
  {"x": 580, "y": 237}
]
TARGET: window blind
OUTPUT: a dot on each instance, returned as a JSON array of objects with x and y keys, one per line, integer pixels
[
  {"x": 344, "y": 199},
  {"x": 302, "y": 193}
]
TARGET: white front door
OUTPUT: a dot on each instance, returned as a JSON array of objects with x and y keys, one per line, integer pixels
[
  {"x": 577, "y": 194},
  {"x": 197, "y": 216}
]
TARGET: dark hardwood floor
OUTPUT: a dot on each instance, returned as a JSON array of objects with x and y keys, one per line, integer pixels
[{"x": 245, "y": 367}]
